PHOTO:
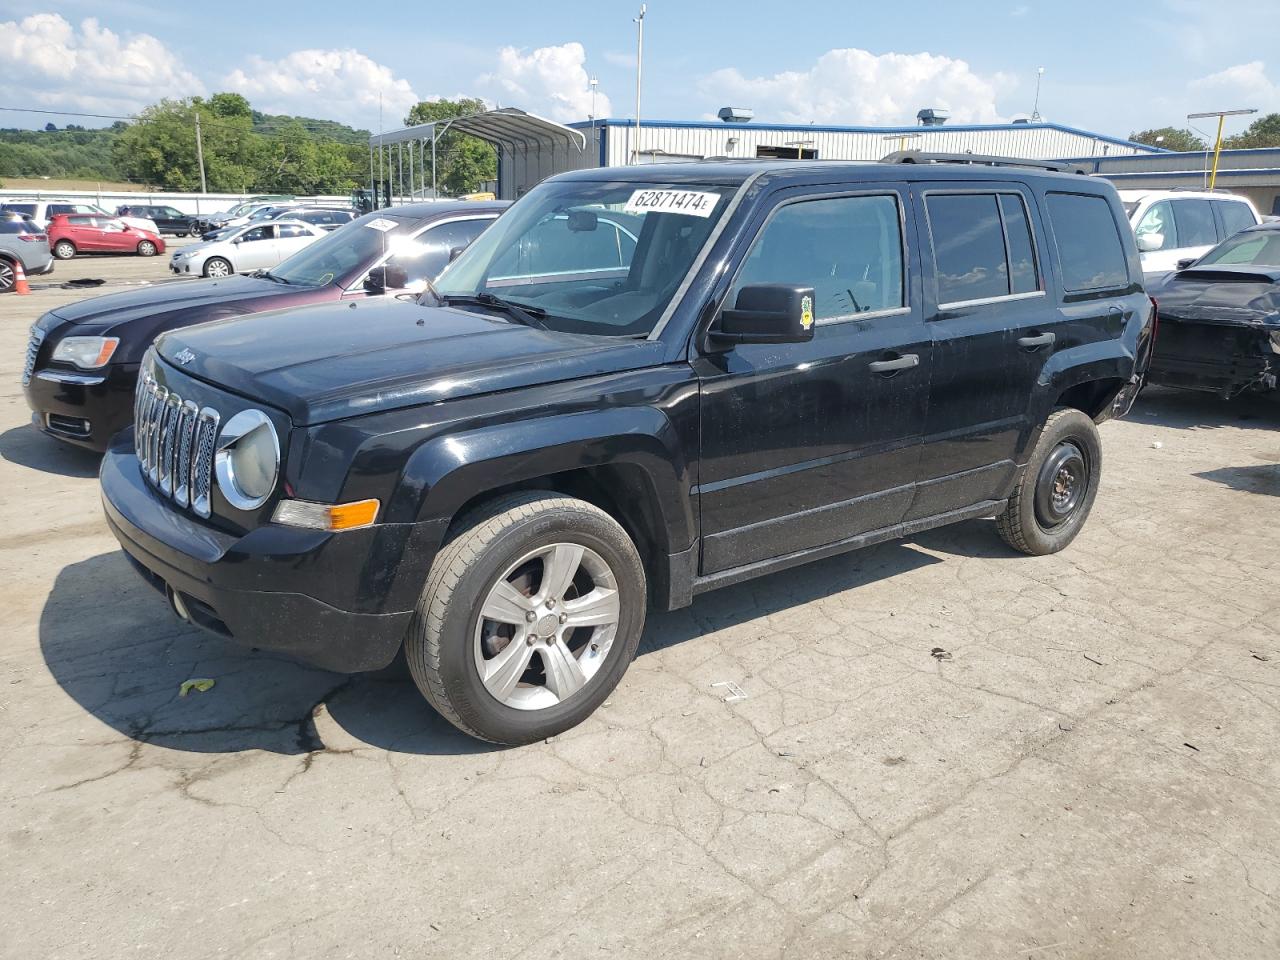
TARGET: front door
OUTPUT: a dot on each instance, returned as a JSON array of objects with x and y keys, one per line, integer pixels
[{"x": 809, "y": 444}]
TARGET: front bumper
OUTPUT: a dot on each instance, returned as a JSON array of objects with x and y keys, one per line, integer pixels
[
  {"x": 1226, "y": 359},
  {"x": 84, "y": 408},
  {"x": 305, "y": 593}
]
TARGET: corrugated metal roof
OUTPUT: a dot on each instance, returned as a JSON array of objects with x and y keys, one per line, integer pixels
[{"x": 507, "y": 127}]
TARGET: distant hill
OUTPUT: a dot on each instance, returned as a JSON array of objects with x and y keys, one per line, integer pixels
[{"x": 79, "y": 154}]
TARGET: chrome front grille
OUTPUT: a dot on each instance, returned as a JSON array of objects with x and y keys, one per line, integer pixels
[
  {"x": 33, "y": 351},
  {"x": 174, "y": 439}
]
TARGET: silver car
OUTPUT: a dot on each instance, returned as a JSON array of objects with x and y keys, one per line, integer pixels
[
  {"x": 245, "y": 249},
  {"x": 22, "y": 242}
]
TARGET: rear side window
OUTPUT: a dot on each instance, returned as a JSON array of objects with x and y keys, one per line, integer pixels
[
  {"x": 1195, "y": 223},
  {"x": 849, "y": 249},
  {"x": 1089, "y": 248},
  {"x": 1235, "y": 217},
  {"x": 982, "y": 246},
  {"x": 18, "y": 226}
]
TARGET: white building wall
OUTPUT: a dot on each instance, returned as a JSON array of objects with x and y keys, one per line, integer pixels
[{"x": 1028, "y": 142}]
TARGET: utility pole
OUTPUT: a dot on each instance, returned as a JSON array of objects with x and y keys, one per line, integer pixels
[
  {"x": 1217, "y": 143},
  {"x": 639, "y": 22},
  {"x": 204, "y": 186}
]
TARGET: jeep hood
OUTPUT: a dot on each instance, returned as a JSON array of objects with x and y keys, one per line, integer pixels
[{"x": 337, "y": 360}]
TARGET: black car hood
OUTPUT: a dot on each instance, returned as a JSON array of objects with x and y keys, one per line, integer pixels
[
  {"x": 234, "y": 294},
  {"x": 1236, "y": 295},
  {"x": 337, "y": 360}
]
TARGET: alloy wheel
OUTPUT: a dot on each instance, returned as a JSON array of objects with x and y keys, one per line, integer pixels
[
  {"x": 546, "y": 626},
  {"x": 6, "y": 276}
]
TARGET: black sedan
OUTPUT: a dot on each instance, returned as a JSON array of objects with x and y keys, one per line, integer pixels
[
  {"x": 82, "y": 360},
  {"x": 1220, "y": 317}
]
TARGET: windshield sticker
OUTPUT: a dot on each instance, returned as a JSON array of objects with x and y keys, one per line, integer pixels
[
  {"x": 691, "y": 203},
  {"x": 381, "y": 224}
]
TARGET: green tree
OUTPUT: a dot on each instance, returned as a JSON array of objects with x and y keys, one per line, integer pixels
[
  {"x": 1170, "y": 138},
  {"x": 160, "y": 147},
  {"x": 1263, "y": 132},
  {"x": 463, "y": 162}
]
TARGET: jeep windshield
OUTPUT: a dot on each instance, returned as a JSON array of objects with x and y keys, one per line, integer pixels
[{"x": 591, "y": 257}]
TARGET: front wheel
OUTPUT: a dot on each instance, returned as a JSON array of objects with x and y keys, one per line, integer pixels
[
  {"x": 217, "y": 267},
  {"x": 530, "y": 617},
  {"x": 146, "y": 249},
  {"x": 1055, "y": 493},
  {"x": 64, "y": 249},
  {"x": 8, "y": 278}
]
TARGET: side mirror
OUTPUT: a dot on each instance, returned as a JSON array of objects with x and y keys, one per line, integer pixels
[
  {"x": 1150, "y": 242},
  {"x": 455, "y": 253},
  {"x": 384, "y": 278},
  {"x": 583, "y": 221},
  {"x": 767, "y": 313},
  {"x": 1186, "y": 262}
]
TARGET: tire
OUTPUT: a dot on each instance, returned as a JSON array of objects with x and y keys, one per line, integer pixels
[
  {"x": 146, "y": 249},
  {"x": 1056, "y": 491},
  {"x": 8, "y": 276},
  {"x": 519, "y": 539},
  {"x": 217, "y": 267},
  {"x": 64, "y": 249}
]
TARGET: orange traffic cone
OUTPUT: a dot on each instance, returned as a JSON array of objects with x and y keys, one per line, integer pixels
[{"x": 20, "y": 285}]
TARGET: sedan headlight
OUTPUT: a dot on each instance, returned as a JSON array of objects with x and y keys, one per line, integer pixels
[
  {"x": 87, "y": 353},
  {"x": 247, "y": 460}
]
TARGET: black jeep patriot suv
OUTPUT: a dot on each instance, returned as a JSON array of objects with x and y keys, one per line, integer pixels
[{"x": 640, "y": 384}]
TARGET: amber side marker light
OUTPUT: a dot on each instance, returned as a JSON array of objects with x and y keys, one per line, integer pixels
[{"x": 326, "y": 516}]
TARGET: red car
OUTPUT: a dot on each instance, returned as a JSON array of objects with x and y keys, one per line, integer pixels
[{"x": 72, "y": 233}]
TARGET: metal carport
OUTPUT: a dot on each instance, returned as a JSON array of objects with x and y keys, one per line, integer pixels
[{"x": 530, "y": 149}]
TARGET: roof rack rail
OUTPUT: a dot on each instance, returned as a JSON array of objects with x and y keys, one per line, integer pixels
[{"x": 979, "y": 159}]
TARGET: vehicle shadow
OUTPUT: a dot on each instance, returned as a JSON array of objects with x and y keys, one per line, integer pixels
[
  {"x": 1260, "y": 478},
  {"x": 126, "y": 663},
  {"x": 28, "y": 447},
  {"x": 1192, "y": 409}
]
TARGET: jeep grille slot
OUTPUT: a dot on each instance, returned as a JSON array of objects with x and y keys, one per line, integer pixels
[{"x": 174, "y": 439}]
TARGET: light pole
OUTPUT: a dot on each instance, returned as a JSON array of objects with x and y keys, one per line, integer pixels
[
  {"x": 1035, "y": 108},
  {"x": 1217, "y": 144},
  {"x": 639, "y": 22}
]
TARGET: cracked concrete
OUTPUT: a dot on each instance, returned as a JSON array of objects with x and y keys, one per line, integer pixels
[{"x": 1092, "y": 774}]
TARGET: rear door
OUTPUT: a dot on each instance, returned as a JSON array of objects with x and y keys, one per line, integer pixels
[
  {"x": 290, "y": 238},
  {"x": 808, "y": 444},
  {"x": 1233, "y": 216},
  {"x": 85, "y": 234},
  {"x": 993, "y": 328}
]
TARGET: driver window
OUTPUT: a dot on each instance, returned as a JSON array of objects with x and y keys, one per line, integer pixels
[
  {"x": 849, "y": 249},
  {"x": 1157, "y": 225},
  {"x": 426, "y": 256}
]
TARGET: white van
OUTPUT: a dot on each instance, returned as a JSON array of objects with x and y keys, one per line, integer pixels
[{"x": 1173, "y": 225}]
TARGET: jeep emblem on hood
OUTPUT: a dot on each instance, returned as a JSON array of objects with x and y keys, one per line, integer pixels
[{"x": 184, "y": 356}]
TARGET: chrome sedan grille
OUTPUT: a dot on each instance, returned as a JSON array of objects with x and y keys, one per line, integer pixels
[
  {"x": 174, "y": 439},
  {"x": 33, "y": 351}
]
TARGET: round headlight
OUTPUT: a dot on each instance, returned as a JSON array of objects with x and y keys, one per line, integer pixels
[{"x": 247, "y": 459}]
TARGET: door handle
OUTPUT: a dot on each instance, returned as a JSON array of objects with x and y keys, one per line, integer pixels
[
  {"x": 1040, "y": 340},
  {"x": 905, "y": 362}
]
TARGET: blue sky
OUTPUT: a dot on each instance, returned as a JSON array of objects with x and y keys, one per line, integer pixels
[{"x": 1108, "y": 67}]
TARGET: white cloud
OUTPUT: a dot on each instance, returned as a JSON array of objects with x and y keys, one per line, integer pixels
[
  {"x": 625, "y": 61},
  {"x": 856, "y": 86},
  {"x": 1244, "y": 85},
  {"x": 550, "y": 81},
  {"x": 333, "y": 84},
  {"x": 47, "y": 62}
]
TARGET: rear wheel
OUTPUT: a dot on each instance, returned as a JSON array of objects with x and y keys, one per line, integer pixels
[
  {"x": 217, "y": 267},
  {"x": 64, "y": 249},
  {"x": 1056, "y": 491},
  {"x": 529, "y": 618},
  {"x": 146, "y": 249},
  {"x": 7, "y": 276}
]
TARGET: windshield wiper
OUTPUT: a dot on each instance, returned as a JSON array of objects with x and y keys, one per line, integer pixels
[
  {"x": 530, "y": 316},
  {"x": 273, "y": 278}
]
